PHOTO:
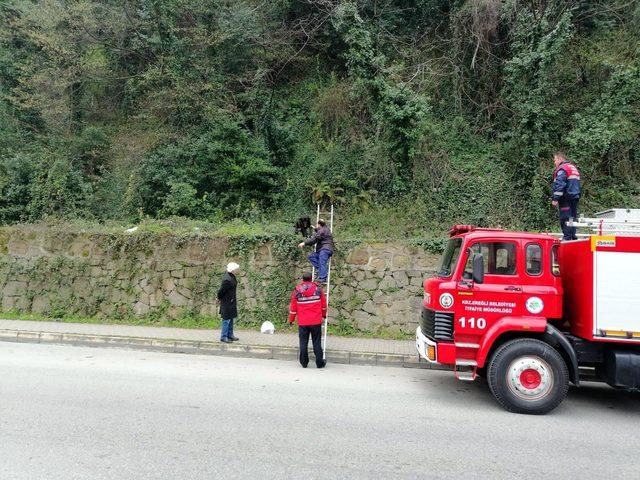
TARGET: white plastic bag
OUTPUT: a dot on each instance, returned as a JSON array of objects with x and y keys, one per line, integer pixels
[{"x": 267, "y": 327}]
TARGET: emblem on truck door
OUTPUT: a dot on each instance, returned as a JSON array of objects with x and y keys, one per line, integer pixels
[
  {"x": 534, "y": 305},
  {"x": 446, "y": 300}
]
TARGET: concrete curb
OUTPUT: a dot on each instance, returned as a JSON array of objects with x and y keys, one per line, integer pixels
[{"x": 212, "y": 348}]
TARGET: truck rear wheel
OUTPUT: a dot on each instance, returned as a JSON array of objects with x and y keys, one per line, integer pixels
[{"x": 528, "y": 376}]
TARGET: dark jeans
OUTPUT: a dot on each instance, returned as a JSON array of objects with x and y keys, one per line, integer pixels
[
  {"x": 316, "y": 339},
  {"x": 320, "y": 261},
  {"x": 227, "y": 329},
  {"x": 567, "y": 210}
]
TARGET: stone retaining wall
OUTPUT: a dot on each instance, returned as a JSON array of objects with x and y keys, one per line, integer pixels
[{"x": 377, "y": 286}]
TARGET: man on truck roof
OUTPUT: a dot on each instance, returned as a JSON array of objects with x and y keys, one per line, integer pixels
[{"x": 566, "y": 193}]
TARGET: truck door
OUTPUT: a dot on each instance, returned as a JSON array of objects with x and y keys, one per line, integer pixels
[
  {"x": 500, "y": 295},
  {"x": 540, "y": 296}
]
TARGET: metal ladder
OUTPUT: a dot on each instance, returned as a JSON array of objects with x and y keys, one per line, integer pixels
[
  {"x": 313, "y": 273},
  {"x": 603, "y": 226}
]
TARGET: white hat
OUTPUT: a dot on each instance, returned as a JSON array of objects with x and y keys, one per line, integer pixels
[
  {"x": 267, "y": 327},
  {"x": 232, "y": 267}
]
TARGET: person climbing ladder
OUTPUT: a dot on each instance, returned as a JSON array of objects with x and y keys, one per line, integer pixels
[{"x": 322, "y": 238}]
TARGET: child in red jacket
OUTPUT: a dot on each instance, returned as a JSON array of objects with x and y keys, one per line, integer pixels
[{"x": 309, "y": 303}]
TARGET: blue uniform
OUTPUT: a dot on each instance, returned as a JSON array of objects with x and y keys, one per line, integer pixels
[{"x": 566, "y": 191}]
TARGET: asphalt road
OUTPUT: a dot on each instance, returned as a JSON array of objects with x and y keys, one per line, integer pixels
[{"x": 80, "y": 413}]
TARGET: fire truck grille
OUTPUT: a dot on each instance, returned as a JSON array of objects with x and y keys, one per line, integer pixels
[{"x": 436, "y": 325}]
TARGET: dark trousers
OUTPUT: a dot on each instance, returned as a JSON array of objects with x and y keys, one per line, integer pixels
[
  {"x": 567, "y": 210},
  {"x": 316, "y": 340},
  {"x": 320, "y": 261}
]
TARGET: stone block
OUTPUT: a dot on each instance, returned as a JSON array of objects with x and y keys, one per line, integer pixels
[
  {"x": 168, "y": 284},
  {"x": 358, "y": 256},
  {"x": 369, "y": 307},
  {"x": 15, "y": 303},
  {"x": 401, "y": 278},
  {"x": 18, "y": 247},
  {"x": 185, "y": 292},
  {"x": 381, "y": 312},
  {"x": 191, "y": 272},
  {"x": 362, "y": 295},
  {"x": 140, "y": 308},
  {"x": 401, "y": 261},
  {"x": 345, "y": 292},
  {"x": 378, "y": 263},
  {"x": 13, "y": 288},
  {"x": 178, "y": 273},
  {"x": 363, "y": 320},
  {"x": 40, "y": 304},
  {"x": 387, "y": 283},
  {"x": 177, "y": 299},
  {"x": 371, "y": 284}
]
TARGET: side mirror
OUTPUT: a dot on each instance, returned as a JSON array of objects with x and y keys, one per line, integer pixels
[{"x": 478, "y": 268}]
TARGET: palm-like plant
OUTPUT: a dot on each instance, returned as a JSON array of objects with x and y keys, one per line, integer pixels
[{"x": 325, "y": 194}]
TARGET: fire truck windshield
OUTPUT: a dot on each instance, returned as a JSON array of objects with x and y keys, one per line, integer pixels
[{"x": 450, "y": 257}]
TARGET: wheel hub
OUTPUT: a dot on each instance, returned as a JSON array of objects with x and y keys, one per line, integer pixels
[{"x": 530, "y": 378}]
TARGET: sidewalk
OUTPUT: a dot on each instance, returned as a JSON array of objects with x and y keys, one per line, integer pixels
[{"x": 351, "y": 350}]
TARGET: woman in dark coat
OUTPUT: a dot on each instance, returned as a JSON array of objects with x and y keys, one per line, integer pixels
[{"x": 228, "y": 303}]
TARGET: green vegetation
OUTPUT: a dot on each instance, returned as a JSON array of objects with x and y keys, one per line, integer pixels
[{"x": 411, "y": 115}]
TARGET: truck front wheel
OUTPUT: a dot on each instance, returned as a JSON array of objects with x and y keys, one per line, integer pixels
[{"x": 528, "y": 376}]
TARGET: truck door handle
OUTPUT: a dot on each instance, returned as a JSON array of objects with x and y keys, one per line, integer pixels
[{"x": 511, "y": 288}]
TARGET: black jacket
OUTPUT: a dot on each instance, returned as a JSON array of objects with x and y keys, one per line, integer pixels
[
  {"x": 227, "y": 296},
  {"x": 322, "y": 239}
]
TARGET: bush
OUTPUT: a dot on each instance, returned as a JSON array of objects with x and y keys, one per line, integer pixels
[{"x": 225, "y": 168}]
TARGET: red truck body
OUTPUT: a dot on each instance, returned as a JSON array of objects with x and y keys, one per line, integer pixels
[{"x": 531, "y": 313}]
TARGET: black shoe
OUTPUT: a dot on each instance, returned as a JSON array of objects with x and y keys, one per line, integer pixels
[
  {"x": 234, "y": 339},
  {"x": 226, "y": 340},
  {"x": 322, "y": 365},
  {"x": 303, "y": 365}
]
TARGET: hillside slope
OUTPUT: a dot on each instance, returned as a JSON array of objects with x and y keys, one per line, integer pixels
[{"x": 410, "y": 114}]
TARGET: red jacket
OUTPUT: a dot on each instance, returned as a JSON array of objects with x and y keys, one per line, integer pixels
[{"x": 309, "y": 303}]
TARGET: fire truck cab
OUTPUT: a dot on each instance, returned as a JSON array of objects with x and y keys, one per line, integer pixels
[{"x": 533, "y": 314}]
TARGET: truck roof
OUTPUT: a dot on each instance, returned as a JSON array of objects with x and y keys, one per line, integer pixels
[{"x": 473, "y": 232}]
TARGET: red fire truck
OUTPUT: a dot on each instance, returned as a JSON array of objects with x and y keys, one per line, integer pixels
[{"x": 532, "y": 314}]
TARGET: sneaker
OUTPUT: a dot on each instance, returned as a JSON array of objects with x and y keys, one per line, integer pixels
[
  {"x": 323, "y": 364},
  {"x": 234, "y": 339},
  {"x": 226, "y": 340},
  {"x": 303, "y": 366}
]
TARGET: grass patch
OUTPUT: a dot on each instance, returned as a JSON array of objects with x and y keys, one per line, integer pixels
[
  {"x": 201, "y": 322},
  {"x": 208, "y": 323}
]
